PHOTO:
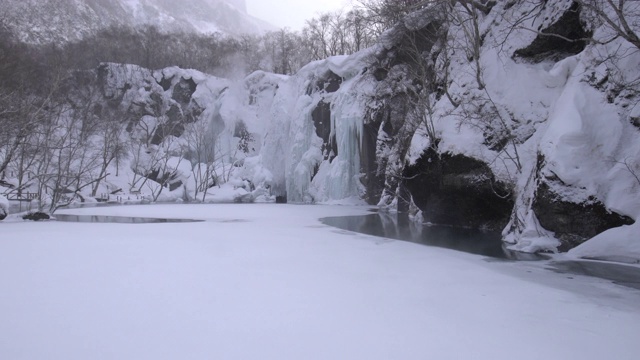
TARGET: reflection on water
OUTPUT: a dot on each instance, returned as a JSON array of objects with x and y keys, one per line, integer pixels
[
  {"x": 117, "y": 219},
  {"x": 400, "y": 227}
]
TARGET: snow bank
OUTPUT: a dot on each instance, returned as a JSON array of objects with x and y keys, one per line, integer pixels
[
  {"x": 4, "y": 207},
  {"x": 619, "y": 244}
]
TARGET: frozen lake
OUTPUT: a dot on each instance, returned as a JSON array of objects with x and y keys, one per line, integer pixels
[{"x": 273, "y": 282}]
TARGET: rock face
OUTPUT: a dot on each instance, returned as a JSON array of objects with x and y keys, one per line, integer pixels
[
  {"x": 570, "y": 38},
  {"x": 401, "y": 78},
  {"x": 136, "y": 94},
  {"x": 372, "y": 164},
  {"x": 458, "y": 191},
  {"x": 321, "y": 116},
  {"x": 573, "y": 223}
]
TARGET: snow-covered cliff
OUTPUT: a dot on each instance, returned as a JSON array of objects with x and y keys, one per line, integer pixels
[{"x": 530, "y": 134}]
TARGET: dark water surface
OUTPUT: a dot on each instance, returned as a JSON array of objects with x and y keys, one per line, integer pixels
[
  {"x": 478, "y": 242},
  {"x": 400, "y": 227}
]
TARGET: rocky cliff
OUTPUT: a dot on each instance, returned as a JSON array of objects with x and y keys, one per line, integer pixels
[{"x": 509, "y": 129}]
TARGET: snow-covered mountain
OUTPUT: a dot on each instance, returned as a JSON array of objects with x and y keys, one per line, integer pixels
[{"x": 56, "y": 21}]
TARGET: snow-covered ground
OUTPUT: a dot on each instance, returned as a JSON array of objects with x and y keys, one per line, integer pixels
[{"x": 266, "y": 281}]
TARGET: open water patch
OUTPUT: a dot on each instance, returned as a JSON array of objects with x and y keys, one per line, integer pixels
[
  {"x": 400, "y": 227},
  {"x": 118, "y": 219}
]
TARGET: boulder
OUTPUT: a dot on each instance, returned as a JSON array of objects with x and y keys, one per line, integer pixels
[
  {"x": 36, "y": 216},
  {"x": 573, "y": 223}
]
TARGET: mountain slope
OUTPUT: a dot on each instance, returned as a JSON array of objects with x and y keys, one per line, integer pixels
[{"x": 57, "y": 21}]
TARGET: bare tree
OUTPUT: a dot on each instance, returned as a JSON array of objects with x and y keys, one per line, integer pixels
[
  {"x": 67, "y": 159},
  {"x": 387, "y": 13},
  {"x": 358, "y": 30},
  {"x": 111, "y": 147},
  {"x": 202, "y": 152},
  {"x": 27, "y": 90},
  {"x": 164, "y": 163},
  {"x": 318, "y": 32}
]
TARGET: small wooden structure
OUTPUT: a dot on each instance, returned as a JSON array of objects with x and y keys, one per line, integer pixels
[{"x": 22, "y": 196}]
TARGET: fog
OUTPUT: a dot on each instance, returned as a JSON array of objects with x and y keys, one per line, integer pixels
[{"x": 293, "y": 13}]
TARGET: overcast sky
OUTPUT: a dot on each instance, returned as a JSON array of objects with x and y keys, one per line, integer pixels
[{"x": 292, "y": 13}]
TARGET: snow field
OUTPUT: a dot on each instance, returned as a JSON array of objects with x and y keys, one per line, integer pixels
[{"x": 270, "y": 282}]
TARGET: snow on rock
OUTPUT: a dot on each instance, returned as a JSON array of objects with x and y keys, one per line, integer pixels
[
  {"x": 583, "y": 131},
  {"x": 231, "y": 192},
  {"x": 4, "y": 207},
  {"x": 533, "y": 238},
  {"x": 618, "y": 244},
  {"x": 183, "y": 131}
]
